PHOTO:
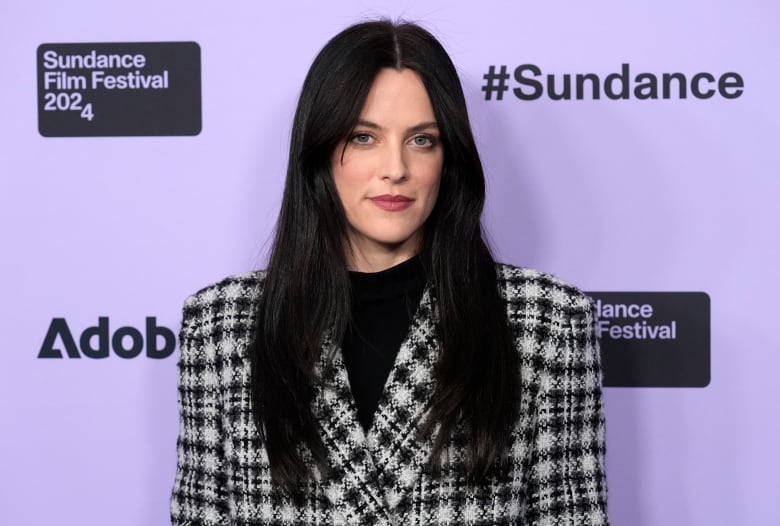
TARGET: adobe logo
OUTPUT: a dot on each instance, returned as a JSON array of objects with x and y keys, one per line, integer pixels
[{"x": 98, "y": 341}]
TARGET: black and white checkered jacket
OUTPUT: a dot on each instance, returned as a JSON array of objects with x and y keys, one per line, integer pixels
[{"x": 556, "y": 474}]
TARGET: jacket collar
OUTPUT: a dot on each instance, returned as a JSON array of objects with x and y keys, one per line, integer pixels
[{"x": 371, "y": 476}]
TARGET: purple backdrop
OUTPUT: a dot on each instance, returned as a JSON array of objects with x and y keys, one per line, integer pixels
[{"x": 653, "y": 195}]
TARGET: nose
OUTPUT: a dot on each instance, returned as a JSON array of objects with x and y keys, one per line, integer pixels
[{"x": 394, "y": 165}]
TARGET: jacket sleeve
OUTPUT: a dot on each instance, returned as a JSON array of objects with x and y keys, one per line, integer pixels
[
  {"x": 567, "y": 472},
  {"x": 199, "y": 492}
]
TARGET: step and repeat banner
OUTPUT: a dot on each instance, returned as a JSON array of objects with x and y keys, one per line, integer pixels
[{"x": 630, "y": 148}]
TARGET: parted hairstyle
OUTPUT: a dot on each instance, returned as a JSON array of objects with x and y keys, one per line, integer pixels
[{"x": 307, "y": 293}]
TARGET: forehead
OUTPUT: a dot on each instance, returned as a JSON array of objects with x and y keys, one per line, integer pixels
[{"x": 397, "y": 97}]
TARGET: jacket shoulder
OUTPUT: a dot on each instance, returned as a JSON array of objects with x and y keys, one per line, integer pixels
[
  {"x": 219, "y": 319},
  {"x": 520, "y": 285},
  {"x": 238, "y": 287}
]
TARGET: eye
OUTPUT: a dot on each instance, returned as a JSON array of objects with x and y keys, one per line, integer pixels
[
  {"x": 361, "y": 138},
  {"x": 423, "y": 141}
]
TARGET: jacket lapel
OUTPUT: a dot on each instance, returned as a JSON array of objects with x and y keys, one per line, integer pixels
[
  {"x": 371, "y": 476},
  {"x": 398, "y": 454},
  {"x": 350, "y": 484}
]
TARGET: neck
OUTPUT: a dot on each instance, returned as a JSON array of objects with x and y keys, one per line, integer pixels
[
  {"x": 379, "y": 257},
  {"x": 377, "y": 264}
]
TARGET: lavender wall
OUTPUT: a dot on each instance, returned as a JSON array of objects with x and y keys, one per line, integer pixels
[{"x": 648, "y": 195}]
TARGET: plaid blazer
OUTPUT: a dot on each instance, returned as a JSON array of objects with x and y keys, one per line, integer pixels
[{"x": 556, "y": 471}]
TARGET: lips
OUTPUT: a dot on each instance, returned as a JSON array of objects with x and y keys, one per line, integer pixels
[{"x": 392, "y": 203}]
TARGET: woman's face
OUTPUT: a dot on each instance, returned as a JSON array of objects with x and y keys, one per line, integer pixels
[{"x": 387, "y": 173}]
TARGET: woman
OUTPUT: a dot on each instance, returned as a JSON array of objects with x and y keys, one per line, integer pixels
[{"x": 384, "y": 369}]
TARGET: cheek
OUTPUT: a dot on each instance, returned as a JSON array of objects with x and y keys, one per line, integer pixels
[
  {"x": 431, "y": 196},
  {"x": 350, "y": 176},
  {"x": 345, "y": 183},
  {"x": 432, "y": 182}
]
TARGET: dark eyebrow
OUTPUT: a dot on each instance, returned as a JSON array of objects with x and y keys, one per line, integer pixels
[{"x": 414, "y": 129}]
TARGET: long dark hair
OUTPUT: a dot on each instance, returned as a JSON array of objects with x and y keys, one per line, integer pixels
[{"x": 306, "y": 291}]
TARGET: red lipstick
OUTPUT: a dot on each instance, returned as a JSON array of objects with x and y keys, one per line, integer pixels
[{"x": 392, "y": 203}]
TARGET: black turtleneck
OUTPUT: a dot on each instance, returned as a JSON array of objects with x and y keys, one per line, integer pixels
[{"x": 383, "y": 305}]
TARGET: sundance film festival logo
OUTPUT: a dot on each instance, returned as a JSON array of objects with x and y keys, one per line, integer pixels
[
  {"x": 654, "y": 339},
  {"x": 119, "y": 89},
  {"x": 100, "y": 341}
]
